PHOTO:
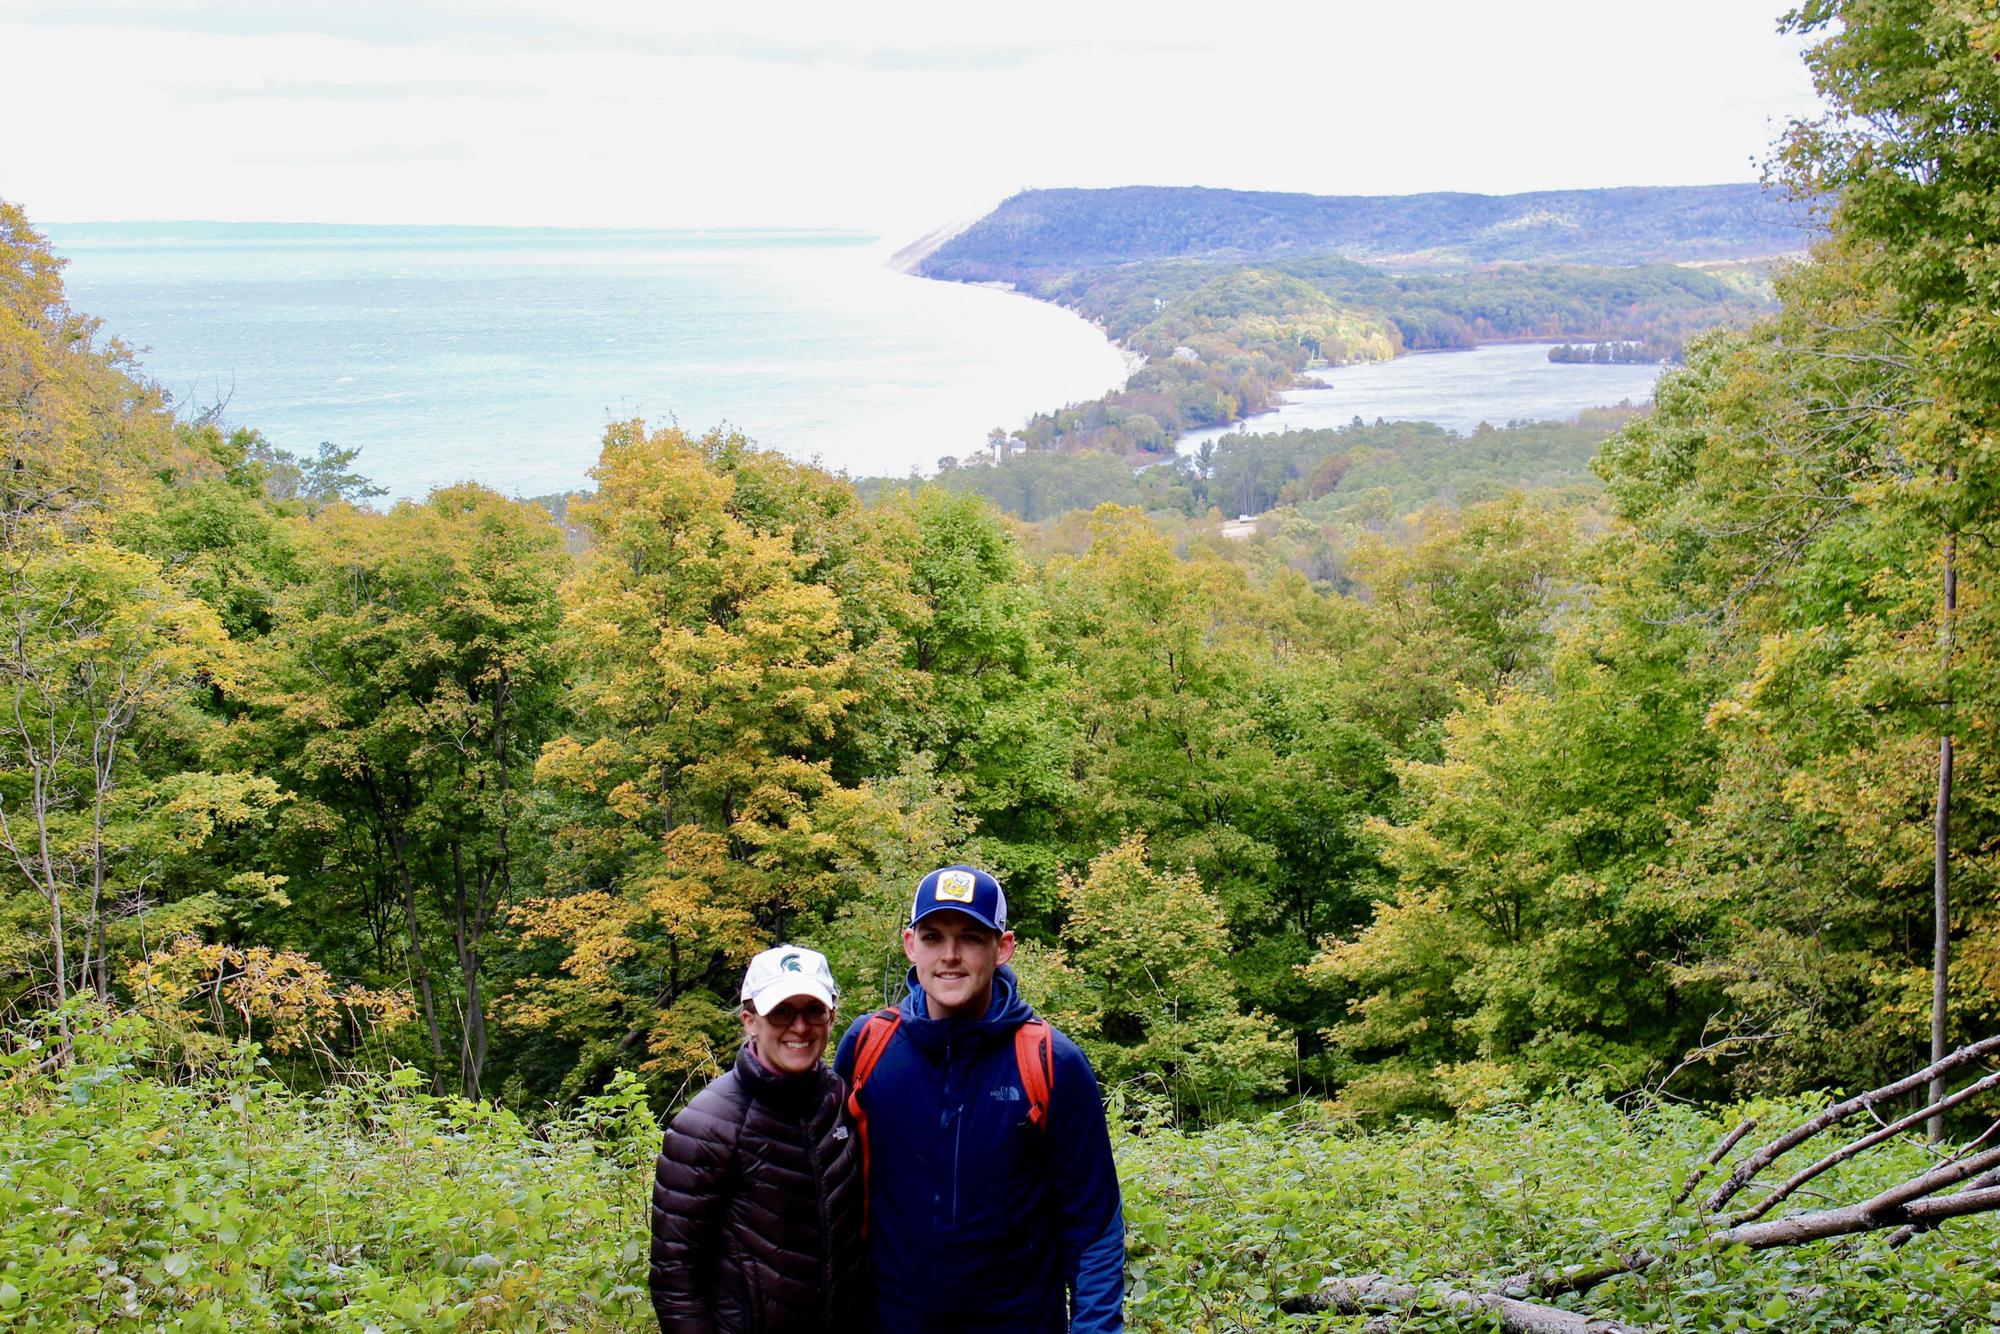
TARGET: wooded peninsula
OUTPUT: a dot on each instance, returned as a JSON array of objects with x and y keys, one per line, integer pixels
[
  {"x": 1543, "y": 876},
  {"x": 1227, "y": 298}
]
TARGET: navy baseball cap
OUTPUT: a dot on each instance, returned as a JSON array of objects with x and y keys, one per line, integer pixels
[{"x": 963, "y": 889}]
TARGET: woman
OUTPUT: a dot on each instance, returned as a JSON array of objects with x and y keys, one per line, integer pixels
[{"x": 757, "y": 1199}]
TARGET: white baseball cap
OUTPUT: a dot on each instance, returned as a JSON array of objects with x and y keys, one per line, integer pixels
[{"x": 785, "y": 972}]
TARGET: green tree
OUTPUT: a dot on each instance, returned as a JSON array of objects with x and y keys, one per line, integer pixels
[
  {"x": 1526, "y": 939},
  {"x": 101, "y": 646},
  {"x": 1148, "y": 946},
  {"x": 414, "y": 675},
  {"x": 1163, "y": 653},
  {"x": 1906, "y": 148},
  {"x": 990, "y": 709},
  {"x": 1808, "y": 490},
  {"x": 1467, "y": 603}
]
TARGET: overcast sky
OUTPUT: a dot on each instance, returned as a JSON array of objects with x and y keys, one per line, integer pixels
[{"x": 893, "y": 118}]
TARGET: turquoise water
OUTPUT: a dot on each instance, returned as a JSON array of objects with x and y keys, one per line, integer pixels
[{"x": 499, "y": 354}]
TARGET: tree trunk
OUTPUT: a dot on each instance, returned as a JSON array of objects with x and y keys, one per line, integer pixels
[
  {"x": 1941, "y": 866},
  {"x": 104, "y": 763},
  {"x": 419, "y": 972},
  {"x": 1358, "y": 1296},
  {"x": 378, "y": 896},
  {"x": 388, "y": 811},
  {"x": 475, "y": 1028},
  {"x": 465, "y": 927},
  {"x": 53, "y": 888}
]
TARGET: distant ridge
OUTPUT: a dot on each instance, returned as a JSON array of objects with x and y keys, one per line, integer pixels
[{"x": 1040, "y": 232}]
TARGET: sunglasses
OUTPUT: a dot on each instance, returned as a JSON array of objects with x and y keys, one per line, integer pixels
[{"x": 784, "y": 1016}]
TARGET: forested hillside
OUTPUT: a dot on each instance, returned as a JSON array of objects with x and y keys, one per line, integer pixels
[
  {"x": 1051, "y": 231},
  {"x": 1432, "y": 887},
  {"x": 1220, "y": 338},
  {"x": 1221, "y": 341},
  {"x": 1334, "y": 479}
]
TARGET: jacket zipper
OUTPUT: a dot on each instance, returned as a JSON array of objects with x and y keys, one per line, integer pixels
[
  {"x": 825, "y": 1222},
  {"x": 957, "y": 1134},
  {"x": 957, "y": 1131}
]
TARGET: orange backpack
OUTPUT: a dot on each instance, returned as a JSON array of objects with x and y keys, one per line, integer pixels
[{"x": 1033, "y": 1052}]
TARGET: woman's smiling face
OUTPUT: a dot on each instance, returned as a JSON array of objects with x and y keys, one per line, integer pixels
[{"x": 791, "y": 1039}]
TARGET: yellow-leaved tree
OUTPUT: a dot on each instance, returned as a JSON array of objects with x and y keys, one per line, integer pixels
[
  {"x": 730, "y": 614},
  {"x": 78, "y": 430}
]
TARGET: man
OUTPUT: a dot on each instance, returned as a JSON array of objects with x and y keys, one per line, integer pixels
[{"x": 992, "y": 1198}]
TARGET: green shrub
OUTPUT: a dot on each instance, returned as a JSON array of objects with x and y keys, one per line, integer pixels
[
  {"x": 1226, "y": 1223},
  {"x": 127, "y": 1202}
]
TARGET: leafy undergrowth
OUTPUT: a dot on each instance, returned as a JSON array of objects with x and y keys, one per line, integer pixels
[
  {"x": 127, "y": 1202},
  {"x": 1228, "y": 1222}
]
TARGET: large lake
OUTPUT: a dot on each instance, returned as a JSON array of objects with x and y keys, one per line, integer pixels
[
  {"x": 500, "y": 354},
  {"x": 1499, "y": 383}
]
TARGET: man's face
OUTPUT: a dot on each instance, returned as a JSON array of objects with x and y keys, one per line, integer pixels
[
  {"x": 955, "y": 958},
  {"x": 792, "y": 1037}
]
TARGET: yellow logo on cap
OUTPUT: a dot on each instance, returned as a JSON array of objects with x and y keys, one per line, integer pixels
[{"x": 955, "y": 887}]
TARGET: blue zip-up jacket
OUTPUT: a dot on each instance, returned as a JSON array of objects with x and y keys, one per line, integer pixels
[{"x": 976, "y": 1219}]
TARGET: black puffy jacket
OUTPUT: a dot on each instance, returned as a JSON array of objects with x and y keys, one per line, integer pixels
[{"x": 757, "y": 1209}]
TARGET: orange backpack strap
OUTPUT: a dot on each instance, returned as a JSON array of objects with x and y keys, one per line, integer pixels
[
  {"x": 876, "y": 1032},
  {"x": 1034, "y": 1052}
]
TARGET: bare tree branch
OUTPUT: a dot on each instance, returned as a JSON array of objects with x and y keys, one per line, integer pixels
[
  {"x": 1840, "y": 1111},
  {"x": 1721, "y": 1151},
  {"x": 1863, "y": 1144}
]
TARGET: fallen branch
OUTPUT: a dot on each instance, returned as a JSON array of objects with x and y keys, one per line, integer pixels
[
  {"x": 1978, "y": 1184},
  {"x": 1900, "y": 1204},
  {"x": 1909, "y": 1206},
  {"x": 1720, "y": 1152},
  {"x": 1868, "y": 1141},
  {"x": 1374, "y": 1292},
  {"x": 1903, "y": 1203},
  {"x": 1840, "y": 1111},
  {"x": 1581, "y": 1278}
]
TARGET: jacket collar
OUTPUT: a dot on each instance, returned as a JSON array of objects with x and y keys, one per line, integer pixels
[
  {"x": 768, "y": 1086},
  {"x": 1005, "y": 1013}
]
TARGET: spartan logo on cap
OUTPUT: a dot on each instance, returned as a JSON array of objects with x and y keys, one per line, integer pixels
[
  {"x": 790, "y": 964},
  {"x": 955, "y": 887}
]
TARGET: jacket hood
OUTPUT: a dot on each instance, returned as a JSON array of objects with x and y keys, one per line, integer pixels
[{"x": 1004, "y": 1014}]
